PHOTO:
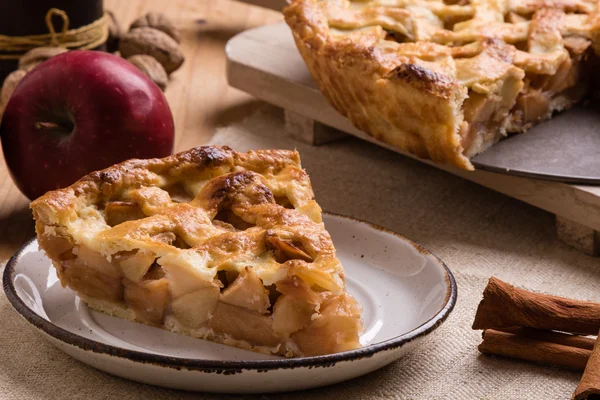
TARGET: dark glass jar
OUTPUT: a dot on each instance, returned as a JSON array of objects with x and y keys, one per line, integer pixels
[{"x": 27, "y": 17}]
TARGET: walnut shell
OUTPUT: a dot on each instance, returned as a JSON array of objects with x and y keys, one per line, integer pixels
[
  {"x": 114, "y": 33},
  {"x": 36, "y": 56},
  {"x": 154, "y": 43},
  {"x": 10, "y": 83},
  {"x": 152, "y": 68},
  {"x": 157, "y": 21}
]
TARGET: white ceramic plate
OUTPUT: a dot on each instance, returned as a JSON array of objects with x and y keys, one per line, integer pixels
[{"x": 405, "y": 291}]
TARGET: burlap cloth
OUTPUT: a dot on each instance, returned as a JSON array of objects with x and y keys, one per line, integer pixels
[{"x": 477, "y": 232}]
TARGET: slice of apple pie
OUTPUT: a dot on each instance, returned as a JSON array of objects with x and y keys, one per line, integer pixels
[
  {"x": 446, "y": 79},
  {"x": 210, "y": 243}
]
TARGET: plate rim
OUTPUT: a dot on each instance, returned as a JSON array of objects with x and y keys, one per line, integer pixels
[{"x": 232, "y": 367}]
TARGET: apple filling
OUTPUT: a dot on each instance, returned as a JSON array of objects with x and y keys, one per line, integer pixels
[
  {"x": 515, "y": 103},
  {"x": 544, "y": 94},
  {"x": 289, "y": 316},
  {"x": 486, "y": 115}
]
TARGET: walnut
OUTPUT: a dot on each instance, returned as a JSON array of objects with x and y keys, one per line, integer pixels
[
  {"x": 10, "y": 83},
  {"x": 36, "y": 56},
  {"x": 149, "y": 66},
  {"x": 157, "y": 21},
  {"x": 154, "y": 43},
  {"x": 114, "y": 33}
]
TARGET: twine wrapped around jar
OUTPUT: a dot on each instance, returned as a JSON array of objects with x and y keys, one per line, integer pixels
[{"x": 86, "y": 37}]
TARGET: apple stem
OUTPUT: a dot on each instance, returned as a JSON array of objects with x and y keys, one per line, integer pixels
[
  {"x": 47, "y": 125},
  {"x": 53, "y": 128}
]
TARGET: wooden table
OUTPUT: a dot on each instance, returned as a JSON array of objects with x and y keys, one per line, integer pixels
[{"x": 198, "y": 93}]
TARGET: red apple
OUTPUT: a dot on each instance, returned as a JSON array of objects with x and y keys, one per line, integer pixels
[{"x": 79, "y": 112}]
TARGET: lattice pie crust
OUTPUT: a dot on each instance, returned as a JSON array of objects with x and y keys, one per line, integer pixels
[
  {"x": 445, "y": 80},
  {"x": 210, "y": 243}
]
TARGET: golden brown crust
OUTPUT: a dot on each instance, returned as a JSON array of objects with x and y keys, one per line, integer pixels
[
  {"x": 402, "y": 70},
  {"x": 403, "y": 104},
  {"x": 154, "y": 238}
]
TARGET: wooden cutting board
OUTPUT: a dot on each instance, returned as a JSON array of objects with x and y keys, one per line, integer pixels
[
  {"x": 276, "y": 5},
  {"x": 265, "y": 63}
]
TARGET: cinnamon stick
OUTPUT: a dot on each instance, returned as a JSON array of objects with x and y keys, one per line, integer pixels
[
  {"x": 589, "y": 386},
  {"x": 531, "y": 349},
  {"x": 505, "y": 306},
  {"x": 566, "y": 339}
]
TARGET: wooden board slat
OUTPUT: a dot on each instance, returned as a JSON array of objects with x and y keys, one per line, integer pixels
[
  {"x": 276, "y": 5},
  {"x": 265, "y": 63}
]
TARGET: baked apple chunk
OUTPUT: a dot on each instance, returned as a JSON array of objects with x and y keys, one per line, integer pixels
[{"x": 210, "y": 243}]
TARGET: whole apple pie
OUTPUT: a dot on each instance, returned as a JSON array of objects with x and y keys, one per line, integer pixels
[
  {"x": 445, "y": 80},
  {"x": 210, "y": 243}
]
